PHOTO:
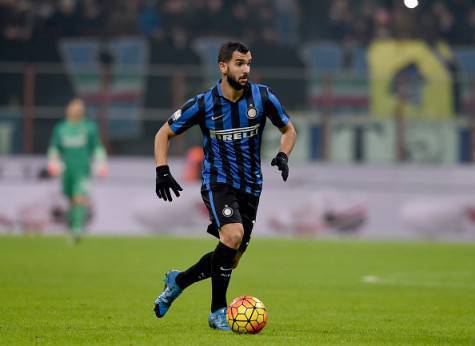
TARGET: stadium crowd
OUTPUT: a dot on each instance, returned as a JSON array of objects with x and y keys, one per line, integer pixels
[{"x": 285, "y": 22}]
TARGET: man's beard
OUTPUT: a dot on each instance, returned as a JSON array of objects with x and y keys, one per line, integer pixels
[{"x": 235, "y": 84}]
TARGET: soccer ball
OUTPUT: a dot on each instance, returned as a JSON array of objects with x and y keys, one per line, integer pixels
[{"x": 246, "y": 315}]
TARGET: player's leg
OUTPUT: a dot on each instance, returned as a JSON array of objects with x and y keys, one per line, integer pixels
[
  {"x": 78, "y": 213},
  {"x": 225, "y": 213},
  {"x": 176, "y": 282},
  {"x": 202, "y": 269},
  {"x": 69, "y": 187},
  {"x": 222, "y": 263},
  {"x": 248, "y": 209},
  {"x": 78, "y": 205},
  {"x": 170, "y": 292},
  {"x": 234, "y": 239}
]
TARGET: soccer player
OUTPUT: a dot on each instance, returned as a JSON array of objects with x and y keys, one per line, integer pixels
[
  {"x": 231, "y": 116},
  {"x": 75, "y": 143}
]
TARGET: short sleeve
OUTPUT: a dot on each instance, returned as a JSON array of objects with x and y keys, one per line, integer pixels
[
  {"x": 275, "y": 111},
  {"x": 186, "y": 116}
]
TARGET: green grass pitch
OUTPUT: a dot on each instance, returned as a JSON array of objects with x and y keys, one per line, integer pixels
[{"x": 316, "y": 292}]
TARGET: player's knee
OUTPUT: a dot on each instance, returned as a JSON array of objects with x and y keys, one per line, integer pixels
[
  {"x": 231, "y": 235},
  {"x": 235, "y": 238}
]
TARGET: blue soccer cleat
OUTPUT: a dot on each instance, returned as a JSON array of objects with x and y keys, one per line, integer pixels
[
  {"x": 217, "y": 320},
  {"x": 170, "y": 292}
]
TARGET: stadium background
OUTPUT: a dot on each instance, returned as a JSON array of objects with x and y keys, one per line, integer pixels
[{"x": 383, "y": 98}]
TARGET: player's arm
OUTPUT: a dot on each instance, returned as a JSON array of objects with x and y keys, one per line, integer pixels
[
  {"x": 164, "y": 179},
  {"x": 162, "y": 142},
  {"x": 98, "y": 151},
  {"x": 179, "y": 122},
  {"x": 55, "y": 165},
  {"x": 288, "y": 138},
  {"x": 277, "y": 114}
]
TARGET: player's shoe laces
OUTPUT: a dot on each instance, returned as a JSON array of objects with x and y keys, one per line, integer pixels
[
  {"x": 217, "y": 320},
  {"x": 169, "y": 294}
]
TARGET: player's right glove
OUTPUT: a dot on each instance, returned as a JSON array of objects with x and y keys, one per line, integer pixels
[
  {"x": 280, "y": 160},
  {"x": 165, "y": 182}
]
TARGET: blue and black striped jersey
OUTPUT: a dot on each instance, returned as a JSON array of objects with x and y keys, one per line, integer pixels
[{"x": 232, "y": 133}]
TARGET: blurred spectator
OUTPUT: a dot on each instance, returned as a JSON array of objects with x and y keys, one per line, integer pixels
[
  {"x": 403, "y": 22},
  {"x": 150, "y": 24},
  {"x": 175, "y": 12},
  {"x": 363, "y": 24},
  {"x": 122, "y": 20},
  {"x": 340, "y": 19},
  {"x": 445, "y": 21},
  {"x": 92, "y": 18},
  {"x": 469, "y": 36},
  {"x": 292, "y": 22},
  {"x": 267, "y": 44},
  {"x": 15, "y": 20},
  {"x": 382, "y": 21},
  {"x": 64, "y": 22},
  {"x": 214, "y": 19},
  {"x": 242, "y": 23},
  {"x": 286, "y": 20}
]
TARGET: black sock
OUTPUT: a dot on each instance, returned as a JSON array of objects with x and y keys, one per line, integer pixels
[
  {"x": 199, "y": 271},
  {"x": 221, "y": 269}
]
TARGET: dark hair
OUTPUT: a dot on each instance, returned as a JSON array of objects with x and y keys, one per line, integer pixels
[{"x": 226, "y": 50}]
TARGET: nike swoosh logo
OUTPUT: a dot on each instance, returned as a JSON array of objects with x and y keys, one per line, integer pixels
[
  {"x": 217, "y": 117},
  {"x": 225, "y": 269}
]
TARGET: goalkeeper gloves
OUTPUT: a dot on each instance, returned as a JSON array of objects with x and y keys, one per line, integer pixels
[
  {"x": 165, "y": 182},
  {"x": 101, "y": 169},
  {"x": 54, "y": 168},
  {"x": 280, "y": 160}
]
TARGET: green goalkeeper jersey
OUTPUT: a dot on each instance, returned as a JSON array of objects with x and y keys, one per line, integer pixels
[{"x": 76, "y": 144}]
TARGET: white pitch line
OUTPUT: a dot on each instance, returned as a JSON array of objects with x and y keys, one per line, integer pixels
[{"x": 377, "y": 280}]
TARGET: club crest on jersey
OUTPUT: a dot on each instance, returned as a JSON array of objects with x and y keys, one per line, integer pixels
[
  {"x": 176, "y": 115},
  {"x": 251, "y": 112},
  {"x": 227, "y": 211}
]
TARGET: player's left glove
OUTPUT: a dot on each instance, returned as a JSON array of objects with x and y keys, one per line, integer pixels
[
  {"x": 165, "y": 182},
  {"x": 280, "y": 160},
  {"x": 101, "y": 169},
  {"x": 54, "y": 168}
]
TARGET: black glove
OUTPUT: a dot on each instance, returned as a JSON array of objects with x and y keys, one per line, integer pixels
[
  {"x": 165, "y": 182},
  {"x": 280, "y": 160}
]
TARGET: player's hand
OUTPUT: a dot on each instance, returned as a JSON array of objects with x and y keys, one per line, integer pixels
[
  {"x": 101, "y": 170},
  {"x": 280, "y": 160},
  {"x": 54, "y": 168},
  {"x": 165, "y": 182}
]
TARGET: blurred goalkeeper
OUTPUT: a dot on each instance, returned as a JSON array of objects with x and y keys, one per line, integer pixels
[
  {"x": 231, "y": 116},
  {"x": 74, "y": 146}
]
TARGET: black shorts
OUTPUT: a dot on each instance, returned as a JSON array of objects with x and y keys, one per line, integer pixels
[{"x": 229, "y": 205}]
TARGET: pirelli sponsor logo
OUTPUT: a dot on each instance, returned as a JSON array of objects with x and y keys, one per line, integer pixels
[{"x": 235, "y": 134}]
